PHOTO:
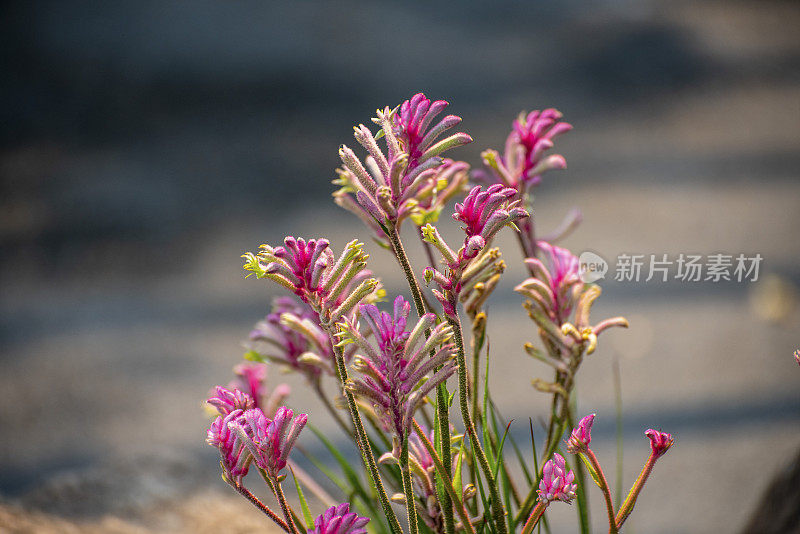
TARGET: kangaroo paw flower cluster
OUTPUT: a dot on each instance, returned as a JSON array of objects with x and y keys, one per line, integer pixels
[
  {"x": 394, "y": 372},
  {"x": 269, "y": 440},
  {"x": 558, "y": 482},
  {"x": 235, "y": 459},
  {"x": 391, "y": 185},
  {"x": 339, "y": 520},
  {"x": 522, "y": 164},
  {"x": 394, "y": 366},
  {"x": 331, "y": 287},
  {"x": 483, "y": 213}
]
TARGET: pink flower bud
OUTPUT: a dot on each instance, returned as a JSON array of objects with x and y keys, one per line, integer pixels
[
  {"x": 660, "y": 442},
  {"x": 581, "y": 435}
]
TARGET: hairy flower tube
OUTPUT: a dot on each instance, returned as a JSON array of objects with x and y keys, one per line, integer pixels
[
  {"x": 290, "y": 336},
  {"x": 269, "y": 440},
  {"x": 581, "y": 436},
  {"x": 226, "y": 401},
  {"x": 388, "y": 187},
  {"x": 524, "y": 161},
  {"x": 557, "y": 482},
  {"x": 339, "y": 520},
  {"x": 251, "y": 378},
  {"x": 331, "y": 287},
  {"x": 235, "y": 458},
  {"x": 394, "y": 365}
]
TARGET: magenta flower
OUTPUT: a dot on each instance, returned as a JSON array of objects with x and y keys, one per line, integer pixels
[
  {"x": 391, "y": 372},
  {"x": 411, "y": 125},
  {"x": 524, "y": 160},
  {"x": 388, "y": 187},
  {"x": 339, "y": 520},
  {"x": 581, "y": 436},
  {"x": 557, "y": 482},
  {"x": 269, "y": 441},
  {"x": 234, "y": 456},
  {"x": 556, "y": 284},
  {"x": 251, "y": 378},
  {"x": 484, "y": 213},
  {"x": 660, "y": 442},
  {"x": 291, "y": 336},
  {"x": 331, "y": 287},
  {"x": 227, "y": 401}
]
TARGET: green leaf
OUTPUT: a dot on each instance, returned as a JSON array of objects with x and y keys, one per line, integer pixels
[
  {"x": 591, "y": 470},
  {"x": 307, "y": 517},
  {"x": 500, "y": 451},
  {"x": 458, "y": 476}
]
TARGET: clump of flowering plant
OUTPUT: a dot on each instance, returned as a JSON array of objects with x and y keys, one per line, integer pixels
[{"x": 394, "y": 372}]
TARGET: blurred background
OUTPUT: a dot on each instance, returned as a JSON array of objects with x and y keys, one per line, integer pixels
[{"x": 145, "y": 145}]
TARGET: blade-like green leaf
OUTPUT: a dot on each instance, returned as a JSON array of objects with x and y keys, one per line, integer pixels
[{"x": 307, "y": 517}]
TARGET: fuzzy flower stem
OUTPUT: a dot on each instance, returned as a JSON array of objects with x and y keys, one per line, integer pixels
[
  {"x": 402, "y": 258},
  {"x": 448, "y": 481},
  {"x": 441, "y": 391},
  {"x": 612, "y": 524},
  {"x": 287, "y": 510},
  {"x": 411, "y": 507},
  {"x": 363, "y": 442},
  {"x": 630, "y": 501},
  {"x": 261, "y": 506},
  {"x": 534, "y": 518},
  {"x": 497, "y": 505}
]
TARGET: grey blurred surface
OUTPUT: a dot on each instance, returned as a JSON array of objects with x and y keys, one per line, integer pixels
[{"x": 145, "y": 146}]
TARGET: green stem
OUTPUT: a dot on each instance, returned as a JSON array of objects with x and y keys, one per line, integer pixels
[
  {"x": 537, "y": 514},
  {"x": 413, "y": 285},
  {"x": 287, "y": 511},
  {"x": 497, "y": 504},
  {"x": 612, "y": 523},
  {"x": 363, "y": 444},
  {"x": 261, "y": 506},
  {"x": 442, "y": 395},
  {"x": 630, "y": 501},
  {"x": 411, "y": 507}
]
